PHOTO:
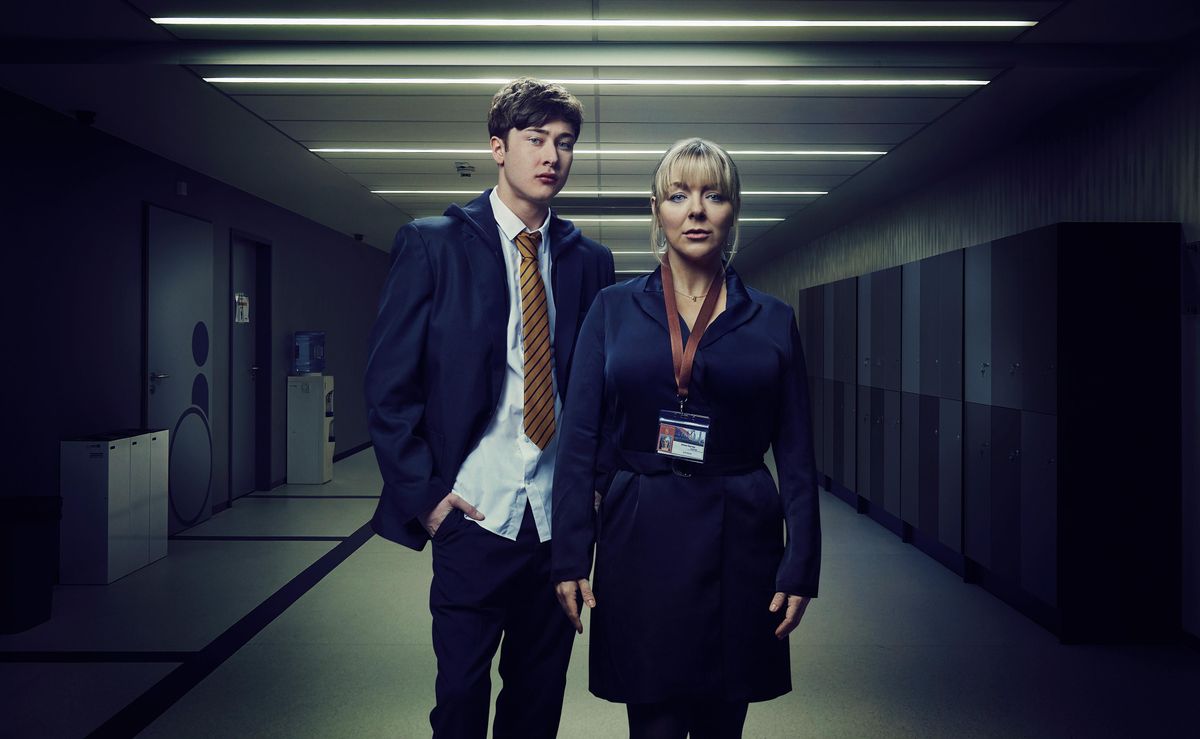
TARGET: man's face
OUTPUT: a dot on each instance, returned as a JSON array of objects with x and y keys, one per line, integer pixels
[{"x": 535, "y": 161}]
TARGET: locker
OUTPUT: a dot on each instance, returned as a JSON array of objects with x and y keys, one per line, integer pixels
[
  {"x": 910, "y": 437},
  {"x": 977, "y": 324},
  {"x": 866, "y": 314},
  {"x": 910, "y": 329},
  {"x": 814, "y": 351},
  {"x": 977, "y": 483},
  {"x": 927, "y": 465},
  {"x": 1006, "y": 493},
  {"x": 950, "y": 324},
  {"x": 865, "y": 439},
  {"x": 887, "y": 334},
  {"x": 930, "y": 378},
  {"x": 1008, "y": 296},
  {"x": 846, "y": 322},
  {"x": 1039, "y": 506},
  {"x": 831, "y": 429},
  {"x": 1039, "y": 327},
  {"x": 849, "y": 429},
  {"x": 875, "y": 467},
  {"x": 950, "y": 447},
  {"x": 892, "y": 452},
  {"x": 828, "y": 333},
  {"x": 816, "y": 399}
]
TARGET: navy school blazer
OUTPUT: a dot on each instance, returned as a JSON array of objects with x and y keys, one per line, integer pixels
[{"x": 437, "y": 352}]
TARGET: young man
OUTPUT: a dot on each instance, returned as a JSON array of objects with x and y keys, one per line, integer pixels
[{"x": 469, "y": 360}]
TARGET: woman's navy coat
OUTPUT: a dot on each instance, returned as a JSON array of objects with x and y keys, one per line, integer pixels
[{"x": 686, "y": 566}]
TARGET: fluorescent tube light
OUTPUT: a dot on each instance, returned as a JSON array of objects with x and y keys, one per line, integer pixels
[
  {"x": 593, "y": 193},
  {"x": 598, "y": 152},
  {"x": 586, "y": 23},
  {"x": 646, "y": 219},
  {"x": 493, "y": 81}
]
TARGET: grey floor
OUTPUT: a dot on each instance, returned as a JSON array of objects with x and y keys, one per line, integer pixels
[{"x": 896, "y": 646}]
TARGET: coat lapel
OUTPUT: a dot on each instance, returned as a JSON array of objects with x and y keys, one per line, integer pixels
[{"x": 739, "y": 306}]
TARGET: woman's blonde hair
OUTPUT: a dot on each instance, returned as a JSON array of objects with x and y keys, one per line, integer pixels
[{"x": 695, "y": 160}]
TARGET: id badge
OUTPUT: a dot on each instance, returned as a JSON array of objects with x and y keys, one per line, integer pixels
[{"x": 682, "y": 435}]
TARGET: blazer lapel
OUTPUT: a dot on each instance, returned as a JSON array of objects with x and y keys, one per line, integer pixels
[
  {"x": 739, "y": 308},
  {"x": 490, "y": 279},
  {"x": 650, "y": 298},
  {"x": 566, "y": 276}
]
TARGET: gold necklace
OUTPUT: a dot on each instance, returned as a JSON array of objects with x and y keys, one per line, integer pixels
[{"x": 693, "y": 297}]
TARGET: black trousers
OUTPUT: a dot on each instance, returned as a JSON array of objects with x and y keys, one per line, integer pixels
[{"x": 486, "y": 587}]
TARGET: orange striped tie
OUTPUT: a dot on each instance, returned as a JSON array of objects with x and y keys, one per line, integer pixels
[{"x": 535, "y": 341}]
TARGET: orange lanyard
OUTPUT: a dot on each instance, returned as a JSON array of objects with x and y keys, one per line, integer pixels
[{"x": 681, "y": 356}]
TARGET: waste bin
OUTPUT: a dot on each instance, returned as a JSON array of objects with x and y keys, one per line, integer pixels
[{"x": 28, "y": 559}]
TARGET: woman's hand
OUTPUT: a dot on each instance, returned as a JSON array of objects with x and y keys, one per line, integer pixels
[
  {"x": 568, "y": 592},
  {"x": 791, "y": 618}
]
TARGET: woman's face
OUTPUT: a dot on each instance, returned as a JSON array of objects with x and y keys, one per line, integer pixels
[{"x": 695, "y": 219}]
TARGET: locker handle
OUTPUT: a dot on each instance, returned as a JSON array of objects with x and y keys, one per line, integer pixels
[
  {"x": 1013, "y": 456},
  {"x": 1014, "y": 367},
  {"x": 983, "y": 368}
]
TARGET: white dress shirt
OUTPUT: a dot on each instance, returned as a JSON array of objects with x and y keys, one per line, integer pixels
[{"x": 506, "y": 469}]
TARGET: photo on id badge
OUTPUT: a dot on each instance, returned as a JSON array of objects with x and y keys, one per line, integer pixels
[{"x": 682, "y": 435}]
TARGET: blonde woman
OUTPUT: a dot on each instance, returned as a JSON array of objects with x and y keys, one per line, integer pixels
[{"x": 681, "y": 381}]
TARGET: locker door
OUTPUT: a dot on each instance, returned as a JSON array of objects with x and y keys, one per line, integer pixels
[
  {"x": 927, "y": 463},
  {"x": 890, "y": 338},
  {"x": 950, "y": 324},
  {"x": 1039, "y": 506},
  {"x": 930, "y": 381},
  {"x": 950, "y": 427},
  {"x": 814, "y": 350},
  {"x": 876, "y": 455},
  {"x": 1006, "y": 493},
  {"x": 849, "y": 413},
  {"x": 910, "y": 442},
  {"x": 864, "y": 442},
  {"x": 892, "y": 452},
  {"x": 828, "y": 332},
  {"x": 866, "y": 359},
  {"x": 1008, "y": 276},
  {"x": 816, "y": 397},
  {"x": 845, "y": 367},
  {"x": 910, "y": 328},
  {"x": 878, "y": 329},
  {"x": 831, "y": 430},
  {"x": 977, "y": 483},
  {"x": 1040, "y": 324},
  {"x": 802, "y": 315},
  {"x": 977, "y": 324}
]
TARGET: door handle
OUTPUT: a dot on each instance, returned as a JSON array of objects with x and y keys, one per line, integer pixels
[{"x": 158, "y": 376}]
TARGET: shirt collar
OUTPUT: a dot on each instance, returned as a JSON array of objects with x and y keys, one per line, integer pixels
[{"x": 510, "y": 225}]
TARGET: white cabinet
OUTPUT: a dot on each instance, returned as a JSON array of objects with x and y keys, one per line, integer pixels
[
  {"x": 310, "y": 429},
  {"x": 114, "y": 490}
]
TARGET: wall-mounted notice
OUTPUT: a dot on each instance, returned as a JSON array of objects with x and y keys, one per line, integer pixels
[{"x": 241, "y": 308}]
